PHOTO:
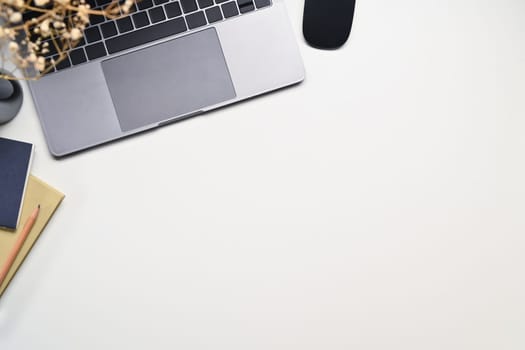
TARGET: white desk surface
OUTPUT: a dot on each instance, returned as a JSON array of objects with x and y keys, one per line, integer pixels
[{"x": 379, "y": 205}]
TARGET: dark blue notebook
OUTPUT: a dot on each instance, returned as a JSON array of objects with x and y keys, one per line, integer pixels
[{"x": 15, "y": 160}]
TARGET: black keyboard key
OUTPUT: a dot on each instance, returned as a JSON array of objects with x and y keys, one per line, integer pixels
[
  {"x": 245, "y": 5},
  {"x": 146, "y": 35},
  {"x": 140, "y": 19},
  {"x": 188, "y": 5},
  {"x": 262, "y": 3},
  {"x": 28, "y": 15},
  {"x": 108, "y": 29},
  {"x": 156, "y": 14},
  {"x": 95, "y": 51},
  {"x": 173, "y": 9},
  {"x": 230, "y": 9},
  {"x": 196, "y": 20},
  {"x": 124, "y": 24},
  {"x": 205, "y": 3},
  {"x": 214, "y": 14},
  {"x": 144, "y": 4},
  {"x": 220, "y": 1},
  {"x": 62, "y": 64},
  {"x": 96, "y": 19},
  {"x": 92, "y": 34},
  {"x": 159, "y": 2},
  {"x": 78, "y": 56}
]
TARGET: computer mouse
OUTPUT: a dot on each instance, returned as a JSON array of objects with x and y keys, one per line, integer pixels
[{"x": 327, "y": 23}]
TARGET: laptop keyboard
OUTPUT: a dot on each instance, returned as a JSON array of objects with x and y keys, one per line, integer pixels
[{"x": 152, "y": 20}]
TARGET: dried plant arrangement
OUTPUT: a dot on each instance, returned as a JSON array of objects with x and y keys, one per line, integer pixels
[{"x": 35, "y": 35}]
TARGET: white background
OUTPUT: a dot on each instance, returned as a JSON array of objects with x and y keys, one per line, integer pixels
[{"x": 379, "y": 205}]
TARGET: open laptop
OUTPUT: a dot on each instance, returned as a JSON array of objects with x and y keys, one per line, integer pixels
[{"x": 167, "y": 61}]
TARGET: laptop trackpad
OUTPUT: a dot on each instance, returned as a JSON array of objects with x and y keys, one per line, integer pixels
[{"x": 167, "y": 80}]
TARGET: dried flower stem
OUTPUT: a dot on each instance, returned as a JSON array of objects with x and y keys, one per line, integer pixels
[{"x": 35, "y": 35}]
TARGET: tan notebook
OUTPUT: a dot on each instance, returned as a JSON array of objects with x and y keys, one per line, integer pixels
[{"x": 37, "y": 192}]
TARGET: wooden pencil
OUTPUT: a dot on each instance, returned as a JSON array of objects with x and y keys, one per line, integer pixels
[{"x": 19, "y": 243}]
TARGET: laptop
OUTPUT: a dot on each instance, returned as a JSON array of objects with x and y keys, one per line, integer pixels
[{"x": 167, "y": 61}]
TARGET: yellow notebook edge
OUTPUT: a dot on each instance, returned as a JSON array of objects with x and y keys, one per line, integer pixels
[{"x": 15, "y": 268}]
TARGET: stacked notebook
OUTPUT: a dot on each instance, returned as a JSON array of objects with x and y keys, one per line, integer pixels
[
  {"x": 20, "y": 194},
  {"x": 15, "y": 161}
]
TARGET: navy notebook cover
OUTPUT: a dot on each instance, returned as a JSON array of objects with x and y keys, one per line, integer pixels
[{"x": 15, "y": 160}]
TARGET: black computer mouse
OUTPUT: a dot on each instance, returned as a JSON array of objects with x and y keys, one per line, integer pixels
[{"x": 327, "y": 23}]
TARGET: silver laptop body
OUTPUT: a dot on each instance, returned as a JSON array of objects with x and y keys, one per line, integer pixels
[{"x": 132, "y": 89}]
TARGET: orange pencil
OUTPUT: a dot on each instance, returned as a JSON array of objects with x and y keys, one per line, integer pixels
[{"x": 19, "y": 243}]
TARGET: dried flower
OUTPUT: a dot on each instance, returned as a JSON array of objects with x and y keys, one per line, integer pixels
[
  {"x": 15, "y": 17},
  {"x": 13, "y": 47},
  {"x": 31, "y": 29},
  {"x": 41, "y": 3},
  {"x": 75, "y": 34}
]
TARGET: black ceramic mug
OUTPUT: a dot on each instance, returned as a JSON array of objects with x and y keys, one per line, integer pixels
[{"x": 11, "y": 98}]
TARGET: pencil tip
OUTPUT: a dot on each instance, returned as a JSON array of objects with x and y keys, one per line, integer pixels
[{"x": 39, "y": 206}]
